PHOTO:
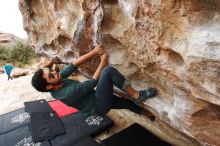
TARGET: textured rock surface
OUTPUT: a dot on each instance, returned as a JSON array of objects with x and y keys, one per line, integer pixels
[
  {"x": 7, "y": 39},
  {"x": 170, "y": 44},
  {"x": 18, "y": 72}
]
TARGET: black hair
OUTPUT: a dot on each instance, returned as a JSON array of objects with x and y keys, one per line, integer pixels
[{"x": 38, "y": 82}]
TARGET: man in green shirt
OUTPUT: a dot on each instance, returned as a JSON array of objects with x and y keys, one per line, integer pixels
[{"x": 82, "y": 95}]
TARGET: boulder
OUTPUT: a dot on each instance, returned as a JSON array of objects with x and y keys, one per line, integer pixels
[
  {"x": 2, "y": 70},
  {"x": 17, "y": 72},
  {"x": 171, "y": 45}
]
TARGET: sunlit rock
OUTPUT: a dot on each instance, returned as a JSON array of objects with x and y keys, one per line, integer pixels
[
  {"x": 18, "y": 72},
  {"x": 9, "y": 40},
  {"x": 171, "y": 45}
]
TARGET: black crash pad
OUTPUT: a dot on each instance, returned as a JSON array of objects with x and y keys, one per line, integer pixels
[
  {"x": 134, "y": 135},
  {"x": 13, "y": 120},
  {"x": 73, "y": 133},
  {"x": 88, "y": 141},
  {"x": 37, "y": 106},
  {"x": 78, "y": 127},
  {"x": 20, "y": 137},
  {"x": 19, "y": 132},
  {"x": 45, "y": 126},
  {"x": 93, "y": 125}
]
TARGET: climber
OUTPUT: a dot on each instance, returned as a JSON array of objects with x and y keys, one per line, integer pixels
[
  {"x": 8, "y": 67},
  {"x": 82, "y": 95}
]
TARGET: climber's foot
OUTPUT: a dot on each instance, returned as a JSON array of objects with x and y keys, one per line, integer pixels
[{"x": 145, "y": 94}]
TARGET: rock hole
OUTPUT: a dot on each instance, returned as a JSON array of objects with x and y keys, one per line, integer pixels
[
  {"x": 111, "y": 2},
  {"x": 59, "y": 5},
  {"x": 108, "y": 39},
  {"x": 172, "y": 58},
  {"x": 70, "y": 55},
  {"x": 148, "y": 114},
  {"x": 175, "y": 58},
  {"x": 64, "y": 41}
]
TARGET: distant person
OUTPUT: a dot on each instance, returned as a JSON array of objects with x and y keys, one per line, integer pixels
[
  {"x": 8, "y": 69},
  {"x": 82, "y": 95}
]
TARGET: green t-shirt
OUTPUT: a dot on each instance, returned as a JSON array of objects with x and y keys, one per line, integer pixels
[{"x": 76, "y": 94}]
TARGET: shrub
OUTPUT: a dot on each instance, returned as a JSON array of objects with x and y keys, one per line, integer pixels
[
  {"x": 21, "y": 54},
  {"x": 4, "y": 53}
]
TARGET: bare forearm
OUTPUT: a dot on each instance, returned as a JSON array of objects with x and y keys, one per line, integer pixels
[
  {"x": 96, "y": 51},
  {"x": 84, "y": 58},
  {"x": 99, "y": 71}
]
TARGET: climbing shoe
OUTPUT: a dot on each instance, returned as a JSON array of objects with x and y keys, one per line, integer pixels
[{"x": 145, "y": 94}]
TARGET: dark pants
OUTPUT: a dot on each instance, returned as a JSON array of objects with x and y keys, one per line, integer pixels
[
  {"x": 105, "y": 99},
  {"x": 9, "y": 76}
]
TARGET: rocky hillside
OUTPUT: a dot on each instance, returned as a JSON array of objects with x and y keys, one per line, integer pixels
[
  {"x": 9, "y": 40},
  {"x": 173, "y": 45}
]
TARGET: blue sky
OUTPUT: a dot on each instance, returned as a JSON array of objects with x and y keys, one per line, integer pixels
[{"x": 11, "y": 19}]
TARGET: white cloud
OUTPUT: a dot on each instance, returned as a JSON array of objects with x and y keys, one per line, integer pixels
[{"x": 11, "y": 19}]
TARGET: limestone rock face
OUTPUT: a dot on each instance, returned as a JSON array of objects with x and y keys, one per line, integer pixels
[
  {"x": 8, "y": 40},
  {"x": 172, "y": 45}
]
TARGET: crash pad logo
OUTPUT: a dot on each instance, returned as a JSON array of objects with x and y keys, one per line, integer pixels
[
  {"x": 27, "y": 142},
  {"x": 20, "y": 118},
  {"x": 94, "y": 120}
]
